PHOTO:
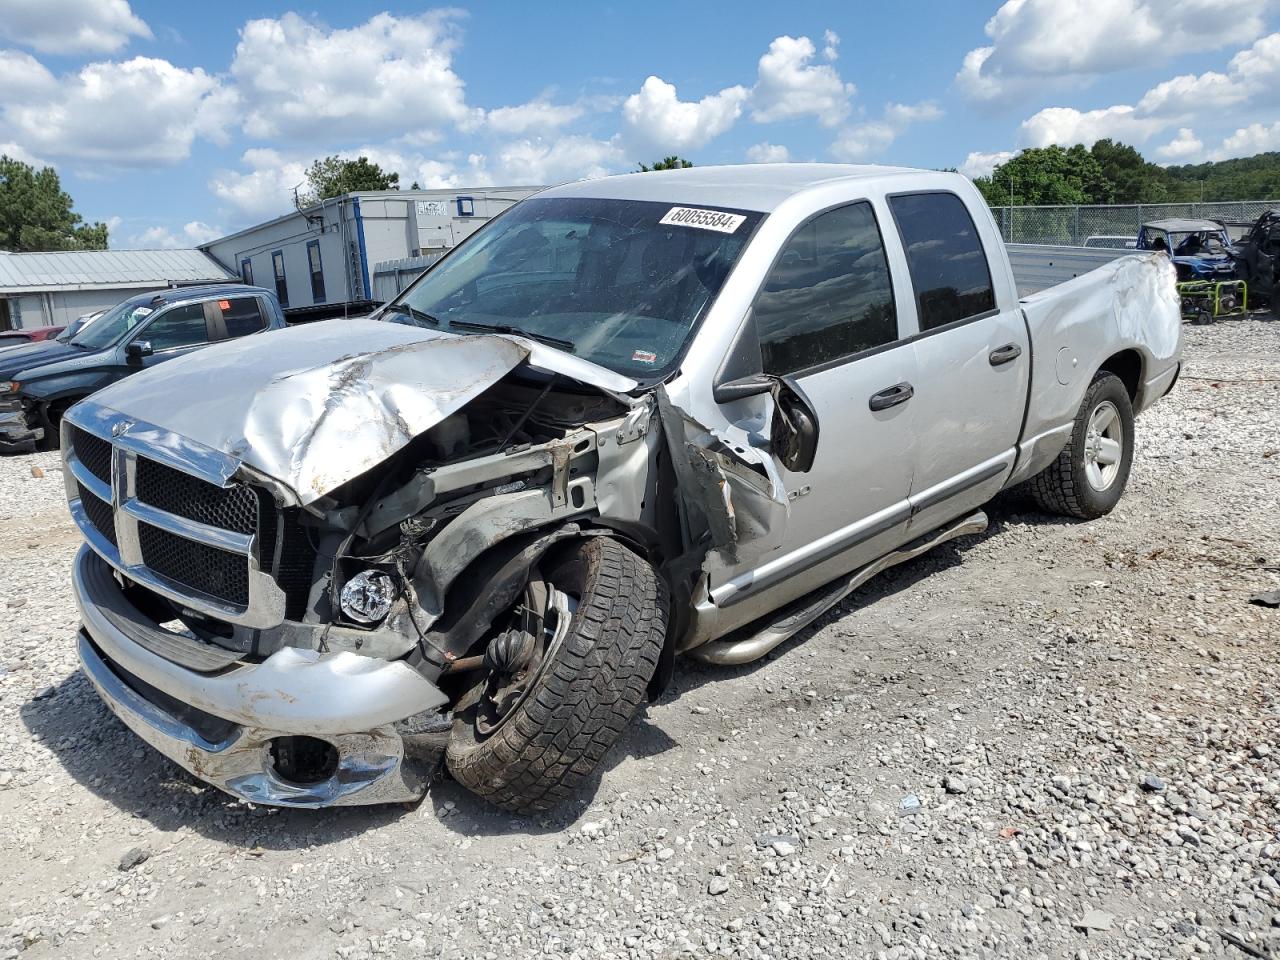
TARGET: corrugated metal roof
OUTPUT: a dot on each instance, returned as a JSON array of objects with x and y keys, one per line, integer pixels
[{"x": 106, "y": 268}]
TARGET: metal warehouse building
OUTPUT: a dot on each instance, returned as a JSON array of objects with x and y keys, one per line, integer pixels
[
  {"x": 52, "y": 289},
  {"x": 351, "y": 252}
]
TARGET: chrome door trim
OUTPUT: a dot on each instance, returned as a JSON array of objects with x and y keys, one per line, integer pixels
[
  {"x": 810, "y": 555},
  {"x": 954, "y": 486}
]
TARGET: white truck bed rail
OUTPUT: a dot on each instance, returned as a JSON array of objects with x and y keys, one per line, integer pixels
[{"x": 1038, "y": 266}]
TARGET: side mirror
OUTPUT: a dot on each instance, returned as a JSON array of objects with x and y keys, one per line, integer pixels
[
  {"x": 793, "y": 434},
  {"x": 134, "y": 352}
]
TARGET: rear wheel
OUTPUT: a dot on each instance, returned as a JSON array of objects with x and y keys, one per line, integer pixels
[
  {"x": 1088, "y": 478},
  {"x": 562, "y": 684}
]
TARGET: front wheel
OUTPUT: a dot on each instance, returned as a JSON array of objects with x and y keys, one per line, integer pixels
[
  {"x": 561, "y": 685},
  {"x": 1088, "y": 478}
]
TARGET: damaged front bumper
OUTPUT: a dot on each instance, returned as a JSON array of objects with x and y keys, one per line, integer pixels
[
  {"x": 231, "y": 726},
  {"x": 15, "y": 435}
]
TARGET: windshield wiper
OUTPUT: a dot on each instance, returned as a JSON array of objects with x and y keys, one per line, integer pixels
[
  {"x": 513, "y": 331},
  {"x": 414, "y": 312}
]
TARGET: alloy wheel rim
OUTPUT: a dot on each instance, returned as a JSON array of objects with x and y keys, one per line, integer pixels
[{"x": 1103, "y": 446}]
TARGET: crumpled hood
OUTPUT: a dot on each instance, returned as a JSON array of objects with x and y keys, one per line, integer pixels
[{"x": 316, "y": 405}]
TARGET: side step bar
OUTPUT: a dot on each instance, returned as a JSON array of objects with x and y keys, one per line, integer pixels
[{"x": 794, "y": 617}]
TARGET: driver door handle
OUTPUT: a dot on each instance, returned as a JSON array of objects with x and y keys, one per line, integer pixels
[
  {"x": 1005, "y": 354},
  {"x": 891, "y": 396}
]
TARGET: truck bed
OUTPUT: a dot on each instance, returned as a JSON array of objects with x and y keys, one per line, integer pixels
[{"x": 1038, "y": 266}]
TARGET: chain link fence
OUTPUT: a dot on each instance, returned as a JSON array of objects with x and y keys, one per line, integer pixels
[{"x": 1073, "y": 225}]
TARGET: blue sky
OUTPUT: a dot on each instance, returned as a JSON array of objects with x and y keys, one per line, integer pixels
[{"x": 177, "y": 122}]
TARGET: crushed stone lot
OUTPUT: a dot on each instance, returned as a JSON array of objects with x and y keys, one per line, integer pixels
[{"x": 1051, "y": 740}]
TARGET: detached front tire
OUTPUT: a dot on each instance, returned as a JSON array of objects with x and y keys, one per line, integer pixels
[
  {"x": 1088, "y": 478},
  {"x": 526, "y": 746}
]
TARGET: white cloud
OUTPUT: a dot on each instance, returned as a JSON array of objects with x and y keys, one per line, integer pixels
[
  {"x": 864, "y": 140},
  {"x": 903, "y": 114},
  {"x": 71, "y": 26},
  {"x": 545, "y": 162},
  {"x": 971, "y": 80},
  {"x": 1252, "y": 74},
  {"x": 1251, "y": 78},
  {"x": 16, "y": 151},
  {"x": 978, "y": 164},
  {"x": 23, "y": 76},
  {"x": 266, "y": 189},
  {"x": 536, "y": 116},
  {"x": 157, "y": 237},
  {"x": 788, "y": 85},
  {"x": 1190, "y": 93},
  {"x": 657, "y": 119},
  {"x": 1037, "y": 39},
  {"x": 1068, "y": 126},
  {"x": 1255, "y": 138},
  {"x": 143, "y": 112},
  {"x": 768, "y": 153},
  {"x": 302, "y": 79},
  {"x": 1184, "y": 148},
  {"x": 831, "y": 45}
]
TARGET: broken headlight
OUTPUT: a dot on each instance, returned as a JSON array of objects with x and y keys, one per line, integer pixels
[{"x": 367, "y": 597}]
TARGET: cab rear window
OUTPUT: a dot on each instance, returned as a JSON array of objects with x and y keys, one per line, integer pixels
[{"x": 948, "y": 266}]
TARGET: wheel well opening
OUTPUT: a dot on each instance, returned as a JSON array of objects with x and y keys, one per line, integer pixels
[{"x": 1127, "y": 365}]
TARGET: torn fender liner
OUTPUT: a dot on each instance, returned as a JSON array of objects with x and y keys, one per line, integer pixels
[{"x": 315, "y": 406}]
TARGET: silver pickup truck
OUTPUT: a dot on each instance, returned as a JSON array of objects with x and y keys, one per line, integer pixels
[{"x": 666, "y": 413}]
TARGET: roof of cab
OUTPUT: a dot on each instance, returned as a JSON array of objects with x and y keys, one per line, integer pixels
[
  {"x": 750, "y": 186},
  {"x": 203, "y": 292},
  {"x": 1180, "y": 225}
]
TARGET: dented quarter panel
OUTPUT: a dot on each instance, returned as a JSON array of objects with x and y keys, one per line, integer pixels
[{"x": 1128, "y": 304}]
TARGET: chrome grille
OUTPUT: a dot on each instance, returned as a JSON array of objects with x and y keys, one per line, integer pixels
[
  {"x": 179, "y": 528},
  {"x": 228, "y": 508},
  {"x": 99, "y": 513},
  {"x": 203, "y": 568},
  {"x": 93, "y": 452}
]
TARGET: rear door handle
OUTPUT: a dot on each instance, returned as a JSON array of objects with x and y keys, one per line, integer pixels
[
  {"x": 891, "y": 396},
  {"x": 1005, "y": 354}
]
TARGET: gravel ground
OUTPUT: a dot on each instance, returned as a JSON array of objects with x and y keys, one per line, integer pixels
[{"x": 1051, "y": 740}]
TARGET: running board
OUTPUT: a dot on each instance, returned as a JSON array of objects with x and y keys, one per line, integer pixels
[{"x": 798, "y": 614}]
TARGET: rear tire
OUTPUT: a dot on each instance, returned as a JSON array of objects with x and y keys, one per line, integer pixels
[
  {"x": 585, "y": 693},
  {"x": 1088, "y": 477}
]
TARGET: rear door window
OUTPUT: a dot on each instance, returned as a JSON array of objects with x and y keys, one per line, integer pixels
[
  {"x": 828, "y": 295},
  {"x": 947, "y": 263},
  {"x": 180, "y": 326},
  {"x": 242, "y": 315}
]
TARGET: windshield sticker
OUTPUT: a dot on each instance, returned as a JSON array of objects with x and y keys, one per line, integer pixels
[
  {"x": 716, "y": 220},
  {"x": 644, "y": 356}
]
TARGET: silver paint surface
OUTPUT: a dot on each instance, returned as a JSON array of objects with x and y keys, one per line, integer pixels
[{"x": 317, "y": 405}]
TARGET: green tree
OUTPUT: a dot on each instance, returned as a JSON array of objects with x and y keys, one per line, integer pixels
[
  {"x": 666, "y": 163},
  {"x": 334, "y": 176},
  {"x": 36, "y": 215},
  {"x": 1244, "y": 178},
  {"x": 1133, "y": 179},
  {"x": 1045, "y": 176}
]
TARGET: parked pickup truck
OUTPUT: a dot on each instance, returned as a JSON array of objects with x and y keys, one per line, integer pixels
[
  {"x": 634, "y": 417},
  {"x": 39, "y": 381}
]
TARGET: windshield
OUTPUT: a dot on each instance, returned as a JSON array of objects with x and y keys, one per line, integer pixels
[
  {"x": 112, "y": 325},
  {"x": 618, "y": 282}
]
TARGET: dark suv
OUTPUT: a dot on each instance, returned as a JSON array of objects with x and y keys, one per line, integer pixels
[{"x": 38, "y": 382}]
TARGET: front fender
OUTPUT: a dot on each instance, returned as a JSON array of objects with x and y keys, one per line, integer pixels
[
  {"x": 484, "y": 525},
  {"x": 50, "y": 389}
]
